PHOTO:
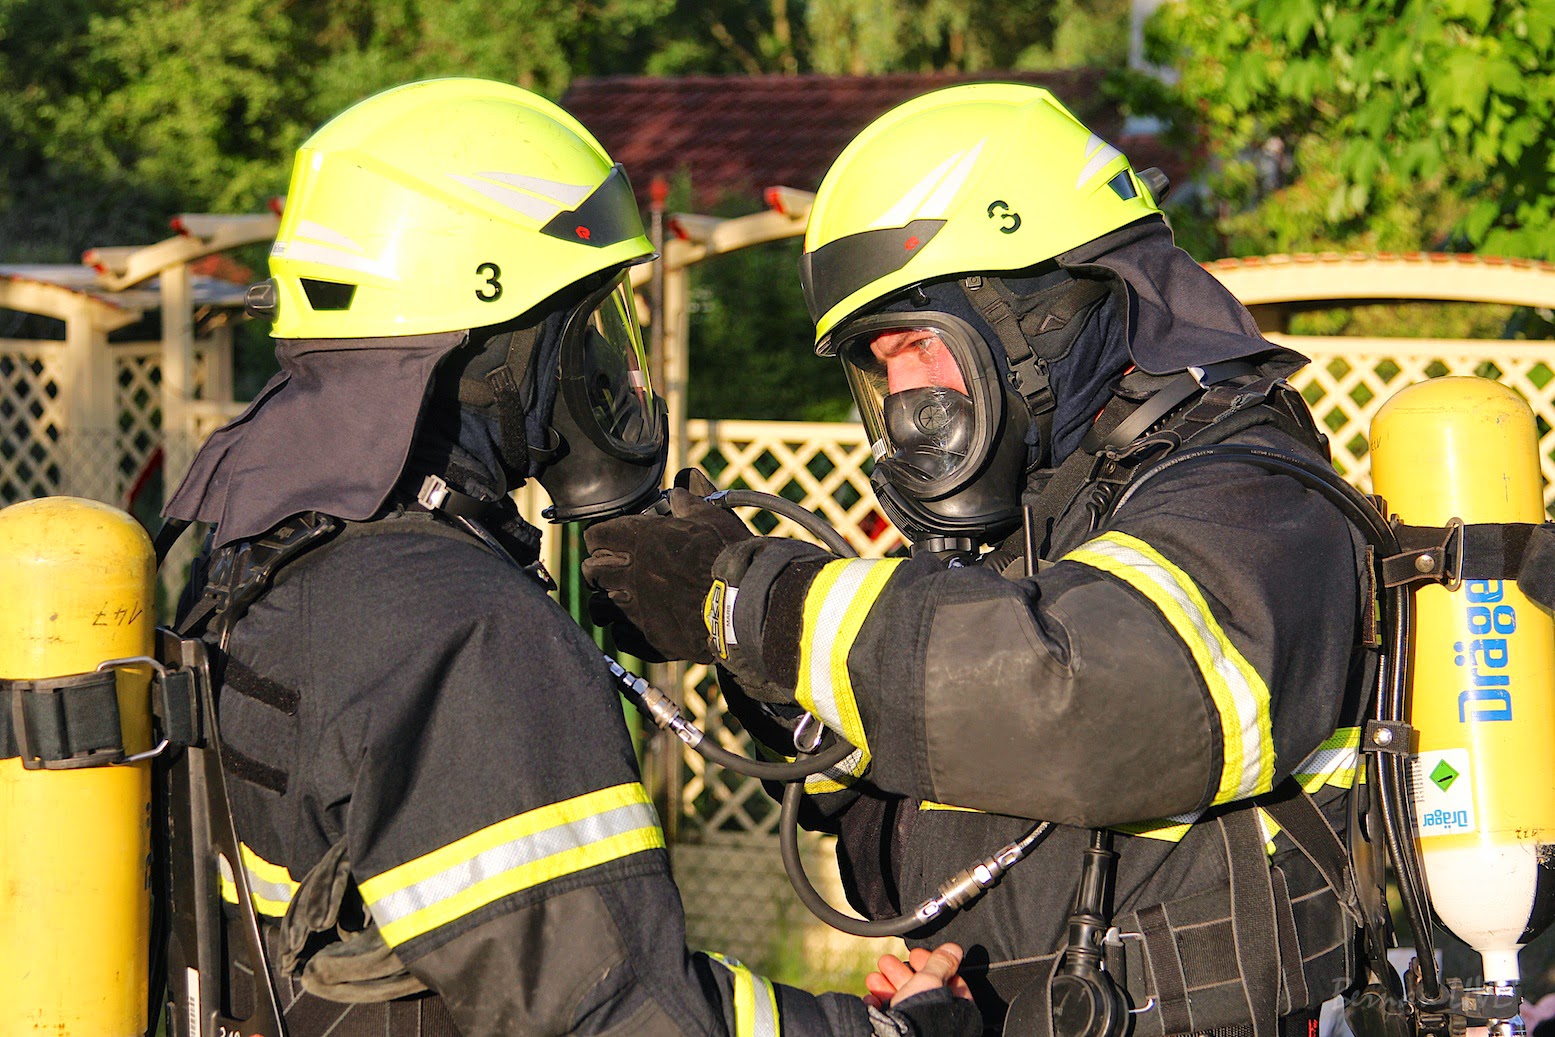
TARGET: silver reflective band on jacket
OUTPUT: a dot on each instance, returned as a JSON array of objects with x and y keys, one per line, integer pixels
[
  {"x": 755, "y": 1002},
  {"x": 518, "y": 853}
]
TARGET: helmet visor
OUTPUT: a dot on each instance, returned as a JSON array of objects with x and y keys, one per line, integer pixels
[
  {"x": 604, "y": 375},
  {"x": 925, "y": 393}
]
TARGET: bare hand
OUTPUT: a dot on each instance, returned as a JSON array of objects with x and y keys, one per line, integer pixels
[
  {"x": 1536, "y": 1012},
  {"x": 923, "y": 970}
]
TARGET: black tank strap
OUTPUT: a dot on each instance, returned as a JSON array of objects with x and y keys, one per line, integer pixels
[
  {"x": 73, "y": 721},
  {"x": 62, "y": 723},
  {"x": 1458, "y": 551},
  {"x": 1171, "y": 984}
]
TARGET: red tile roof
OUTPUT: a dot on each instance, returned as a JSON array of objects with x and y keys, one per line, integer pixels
[{"x": 735, "y": 135}]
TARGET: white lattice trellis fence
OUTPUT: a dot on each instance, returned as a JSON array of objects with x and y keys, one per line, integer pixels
[
  {"x": 1347, "y": 382},
  {"x": 42, "y": 453}
]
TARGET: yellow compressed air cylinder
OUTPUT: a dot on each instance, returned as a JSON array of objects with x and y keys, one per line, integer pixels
[
  {"x": 76, "y": 582},
  {"x": 1483, "y": 696}
]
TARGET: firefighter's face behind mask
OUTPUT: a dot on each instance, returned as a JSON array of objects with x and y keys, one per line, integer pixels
[
  {"x": 948, "y": 440},
  {"x": 609, "y": 426}
]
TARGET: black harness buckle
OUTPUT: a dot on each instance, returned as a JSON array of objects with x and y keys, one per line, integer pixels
[
  {"x": 1430, "y": 553},
  {"x": 67, "y": 723}
]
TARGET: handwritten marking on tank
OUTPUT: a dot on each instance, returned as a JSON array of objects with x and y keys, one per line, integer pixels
[{"x": 120, "y": 616}]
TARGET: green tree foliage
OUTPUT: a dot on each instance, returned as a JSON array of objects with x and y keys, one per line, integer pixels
[
  {"x": 369, "y": 45},
  {"x": 752, "y": 352},
  {"x": 858, "y": 37},
  {"x": 865, "y": 37},
  {"x": 1383, "y": 124},
  {"x": 118, "y": 114}
]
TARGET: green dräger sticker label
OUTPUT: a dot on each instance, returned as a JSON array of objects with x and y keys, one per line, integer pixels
[{"x": 1444, "y": 793}]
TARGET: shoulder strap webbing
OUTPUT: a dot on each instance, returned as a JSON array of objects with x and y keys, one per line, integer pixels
[
  {"x": 1301, "y": 820},
  {"x": 167, "y": 536},
  {"x": 1127, "y": 422},
  {"x": 239, "y": 573},
  {"x": 1166, "y": 968}
]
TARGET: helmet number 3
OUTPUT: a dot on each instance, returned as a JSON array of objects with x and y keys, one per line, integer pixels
[
  {"x": 492, "y": 290},
  {"x": 1001, "y": 211}
]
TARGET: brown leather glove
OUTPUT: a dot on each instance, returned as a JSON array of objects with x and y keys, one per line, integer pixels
[{"x": 651, "y": 574}]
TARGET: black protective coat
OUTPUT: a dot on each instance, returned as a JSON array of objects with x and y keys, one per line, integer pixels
[
  {"x": 1069, "y": 697},
  {"x": 1066, "y": 697},
  {"x": 438, "y": 690}
]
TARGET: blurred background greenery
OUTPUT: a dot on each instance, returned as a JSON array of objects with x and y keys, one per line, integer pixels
[{"x": 1371, "y": 125}]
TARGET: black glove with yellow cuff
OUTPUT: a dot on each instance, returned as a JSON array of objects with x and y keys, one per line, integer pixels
[{"x": 653, "y": 572}]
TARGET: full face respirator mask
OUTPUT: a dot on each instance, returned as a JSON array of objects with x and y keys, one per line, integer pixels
[
  {"x": 958, "y": 384},
  {"x": 575, "y": 407},
  {"x": 949, "y": 438}
]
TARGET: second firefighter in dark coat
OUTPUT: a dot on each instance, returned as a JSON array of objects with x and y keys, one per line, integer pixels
[{"x": 1022, "y": 337}]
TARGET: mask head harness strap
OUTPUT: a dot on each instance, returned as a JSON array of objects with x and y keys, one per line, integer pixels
[
  {"x": 509, "y": 402},
  {"x": 1036, "y": 331},
  {"x": 501, "y": 388},
  {"x": 510, "y": 373}
]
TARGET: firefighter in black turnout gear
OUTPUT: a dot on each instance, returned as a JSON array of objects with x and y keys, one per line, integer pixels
[
  {"x": 441, "y": 816},
  {"x": 1174, "y": 662}
]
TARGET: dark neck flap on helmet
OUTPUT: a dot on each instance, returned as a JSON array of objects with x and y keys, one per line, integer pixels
[
  {"x": 331, "y": 433},
  {"x": 1179, "y": 316}
]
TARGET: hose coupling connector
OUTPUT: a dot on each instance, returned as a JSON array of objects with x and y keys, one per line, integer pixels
[
  {"x": 660, "y": 708},
  {"x": 966, "y": 886}
]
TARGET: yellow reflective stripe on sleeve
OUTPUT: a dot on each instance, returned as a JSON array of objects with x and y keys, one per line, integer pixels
[
  {"x": 270, "y": 885},
  {"x": 1271, "y": 828},
  {"x": 1166, "y": 829},
  {"x": 1333, "y": 762},
  {"x": 834, "y": 610},
  {"x": 1175, "y": 829},
  {"x": 931, "y": 805},
  {"x": 1239, "y": 693},
  {"x": 840, "y": 776},
  {"x": 519, "y": 853},
  {"x": 755, "y": 1002}
]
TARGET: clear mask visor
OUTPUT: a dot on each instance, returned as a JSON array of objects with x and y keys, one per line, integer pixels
[
  {"x": 604, "y": 376},
  {"x": 920, "y": 394}
]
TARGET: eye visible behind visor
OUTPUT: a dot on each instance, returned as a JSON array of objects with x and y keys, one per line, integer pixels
[{"x": 927, "y": 395}]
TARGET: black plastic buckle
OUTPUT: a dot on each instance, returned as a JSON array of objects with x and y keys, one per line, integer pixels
[{"x": 41, "y": 711}]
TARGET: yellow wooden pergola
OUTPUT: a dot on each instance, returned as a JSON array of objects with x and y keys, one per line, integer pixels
[{"x": 1274, "y": 287}]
